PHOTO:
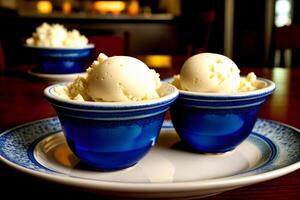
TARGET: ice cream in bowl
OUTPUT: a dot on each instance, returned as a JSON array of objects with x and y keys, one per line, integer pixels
[
  {"x": 111, "y": 118},
  {"x": 216, "y": 108},
  {"x": 58, "y": 50}
]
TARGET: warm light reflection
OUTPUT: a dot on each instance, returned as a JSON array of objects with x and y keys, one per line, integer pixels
[
  {"x": 280, "y": 98},
  {"x": 44, "y": 7},
  {"x": 133, "y": 7},
  {"x": 66, "y": 7},
  {"x": 158, "y": 61},
  {"x": 64, "y": 156},
  {"x": 114, "y": 7},
  {"x": 147, "y": 11}
]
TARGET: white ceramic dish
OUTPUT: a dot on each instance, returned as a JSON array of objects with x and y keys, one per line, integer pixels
[
  {"x": 169, "y": 170},
  {"x": 54, "y": 78}
]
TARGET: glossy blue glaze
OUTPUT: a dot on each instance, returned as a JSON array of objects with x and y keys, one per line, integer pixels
[
  {"x": 217, "y": 123},
  {"x": 61, "y": 60},
  {"x": 110, "y": 144},
  {"x": 111, "y": 136}
]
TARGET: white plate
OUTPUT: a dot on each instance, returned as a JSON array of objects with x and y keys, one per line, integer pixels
[
  {"x": 169, "y": 170},
  {"x": 55, "y": 78}
]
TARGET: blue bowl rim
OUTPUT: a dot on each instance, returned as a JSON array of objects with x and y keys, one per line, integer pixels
[
  {"x": 88, "y": 46},
  {"x": 263, "y": 91},
  {"x": 171, "y": 96}
]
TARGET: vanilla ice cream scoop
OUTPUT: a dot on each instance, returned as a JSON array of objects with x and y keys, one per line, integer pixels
[
  {"x": 114, "y": 79},
  {"x": 56, "y": 35},
  {"x": 121, "y": 78},
  {"x": 209, "y": 72}
]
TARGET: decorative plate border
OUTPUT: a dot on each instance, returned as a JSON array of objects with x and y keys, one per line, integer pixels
[{"x": 16, "y": 144}]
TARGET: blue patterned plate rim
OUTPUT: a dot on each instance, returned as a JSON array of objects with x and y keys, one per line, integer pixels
[{"x": 287, "y": 144}]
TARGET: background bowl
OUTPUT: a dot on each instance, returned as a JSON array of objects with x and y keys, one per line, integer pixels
[
  {"x": 61, "y": 60},
  {"x": 111, "y": 135},
  {"x": 217, "y": 123}
]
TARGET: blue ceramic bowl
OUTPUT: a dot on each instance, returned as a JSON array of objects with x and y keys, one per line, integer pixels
[
  {"x": 61, "y": 60},
  {"x": 111, "y": 135},
  {"x": 217, "y": 123}
]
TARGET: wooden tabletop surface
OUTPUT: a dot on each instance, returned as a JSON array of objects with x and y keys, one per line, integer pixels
[{"x": 21, "y": 101}]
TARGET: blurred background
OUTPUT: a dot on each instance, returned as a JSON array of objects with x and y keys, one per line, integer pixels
[{"x": 252, "y": 33}]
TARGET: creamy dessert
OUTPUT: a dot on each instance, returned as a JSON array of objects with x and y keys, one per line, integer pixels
[
  {"x": 56, "y": 35},
  {"x": 214, "y": 73},
  {"x": 114, "y": 79}
]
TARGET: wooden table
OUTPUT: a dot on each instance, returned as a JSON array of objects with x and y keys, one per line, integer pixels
[{"x": 21, "y": 100}]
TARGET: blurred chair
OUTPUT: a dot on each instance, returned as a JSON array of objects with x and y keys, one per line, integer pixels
[
  {"x": 2, "y": 60},
  {"x": 201, "y": 32},
  {"x": 287, "y": 38},
  {"x": 110, "y": 45}
]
